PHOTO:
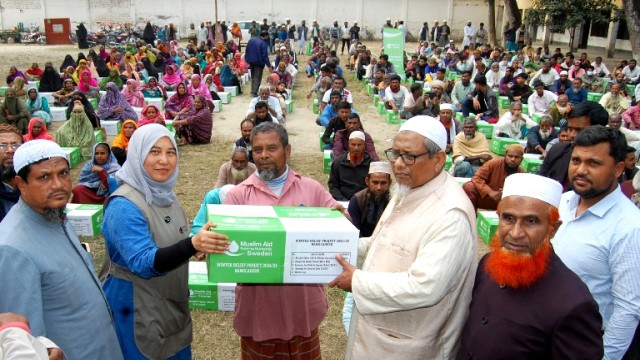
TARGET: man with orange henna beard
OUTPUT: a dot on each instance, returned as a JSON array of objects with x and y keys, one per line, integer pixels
[{"x": 526, "y": 304}]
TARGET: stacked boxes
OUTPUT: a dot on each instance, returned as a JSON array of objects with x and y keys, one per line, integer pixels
[
  {"x": 392, "y": 117},
  {"x": 86, "y": 219},
  {"x": 206, "y": 295},
  {"x": 485, "y": 128},
  {"x": 499, "y": 145},
  {"x": 111, "y": 127},
  {"x": 233, "y": 90},
  {"x": 280, "y": 244},
  {"x": 487, "y": 224}
]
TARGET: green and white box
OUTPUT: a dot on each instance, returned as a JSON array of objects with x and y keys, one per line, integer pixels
[
  {"x": 98, "y": 135},
  {"x": 86, "y": 219},
  {"x": 111, "y": 127},
  {"x": 74, "y": 156},
  {"x": 233, "y": 90},
  {"x": 485, "y": 128},
  {"x": 326, "y": 161},
  {"x": 217, "y": 106},
  {"x": 289, "y": 104},
  {"x": 156, "y": 101},
  {"x": 499, "y": 145},
  {"x": 206, "y": 295},
  {"x": 281, "y": 244},
  {"x": 531, "y": 163},
  {"x": 487, "y": 224},
  {"x": 448, "y": 163},
  {"x": 225, "y": 97}
]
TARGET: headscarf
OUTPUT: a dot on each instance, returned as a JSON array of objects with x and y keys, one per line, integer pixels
[
  {"x": 44, "y": 135},
  {"x": 104, "y": 55},
  {"x": 68, "y": 74},
  {"x": 114, "y": 79},
  {"x": 12, "y": 77},
  {"x": 68, "y": 61},
  {"x": 121, "y": 141},
  {"x": 101, "y": 66},
  {"x": 11, "y": 104},
  {"x": 82, "y": 65},
  {"x": 130, "y": 95},
  {"x": 88, "y": 108},
  {"x": 19, "y": 85},
  {"x": 86, "y": 85},
  {"x": 174, "y": 78},
  {"x": 178, "y": 102},
  {"x": 51, "y": 81},
  {"x": 133, "y": 173},
  {"x": 113, "y": 98},
  {"x": 144, "y": 120},
  {"x": 81, "y": 57},
  {"x": 202, "y": 89},
  {"x": 129, "y": 59},
  {"x": 77, "y": 132},
  {"x": 92, "y": 180},
  {"x": 36, "y": 104},
  {"x": 146, "y": 62},
  {"x": 226, "y": 75}
]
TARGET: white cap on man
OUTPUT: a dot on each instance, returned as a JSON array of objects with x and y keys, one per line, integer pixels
[
  {"x": 380, "y": 167},
  {"x": 429, "y": 127},
  {"x": 446, "y": 107},
  {"x": 357, "y": 135},
  {"x": 533, "y": 186},
  {"x": 34, "y": 151}
]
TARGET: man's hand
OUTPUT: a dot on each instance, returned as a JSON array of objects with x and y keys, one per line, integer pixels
[
  {"x": 476, "y": 103},
  {"x": 55, "y": 354},
  {"x": 495, "y": 195},
  {"x": 343, "y": 281},
  {"x": 209, "y": 242}
]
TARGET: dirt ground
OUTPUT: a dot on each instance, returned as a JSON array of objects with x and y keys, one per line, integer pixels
[{"x": 214, "y": 337}]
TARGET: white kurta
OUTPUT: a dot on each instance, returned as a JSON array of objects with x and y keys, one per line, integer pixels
[
  {"x": 469, "y": 33},
  {"x": 413, "y": 292}
]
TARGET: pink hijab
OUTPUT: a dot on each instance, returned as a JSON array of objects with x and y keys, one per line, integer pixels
[
  {"x": 130, "y": 95},
  {"x": 202, "y": 89},
  {"x": 84, "y": 86},
  {"x": 144, "y": 120},
  {"x": 174, "y": 78},
  {"x": 240, "y": 61}
]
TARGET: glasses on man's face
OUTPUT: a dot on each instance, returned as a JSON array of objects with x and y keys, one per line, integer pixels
[
  {"x": 408, "y": 159},
  {"x": 5, "y": 146}
]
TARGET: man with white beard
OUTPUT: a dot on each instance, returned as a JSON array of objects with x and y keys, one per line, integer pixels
[
  {"x": 470, "y": 150},
  {"x": 414, "y": 287},
  {"x": 540, "y": 136},
  {"x": 236, "y": 170},
  {"x": 559, "y": 111}
]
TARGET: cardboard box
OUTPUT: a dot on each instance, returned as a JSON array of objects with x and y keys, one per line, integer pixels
[
  {"x": 448, "y": 163},
  {"x": 225, "y": 97},
  {"x": 169, "y": 125},
  {"x": 281, "y": 244},
  {"x": 381, "y": 108},
  {"x": 499, "y": 145},
  {"x": 94, "y": 103},
  {"x": 531, "y": 163},
  {"x": 322, "y": 144},
  {"x": 156, "y": 101},
  {"x": 206, "y": 295},
  {"x": 485, "y": 128},
  {"x": 316, "y": 107},
  {"x": 289, "y": 104},
  {"x": 99, "y": 136},
  {"x": 595, "y": 97},
  {"x": 392, "y": 118},
  {"x": 112, "y": 127},
  {"x": 86, "y": 219},
  {"x": 503, "y": 102},
  {"x": 74, "y": 156},
  {"x": 58, "y": 113},
  {"x": 326, "y": 161},
  {"x": 233, "y": 90},
  {"x": 217, "y": 106},
  {"x": 487, "y": 224}
]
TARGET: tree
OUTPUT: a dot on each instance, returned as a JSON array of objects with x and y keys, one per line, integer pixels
[
  {"x": 632, "y": 15},
  {"x": 491, "y": 24},
  {"x": 513, "y": 13},
  {"x": 570, "y": 14}
]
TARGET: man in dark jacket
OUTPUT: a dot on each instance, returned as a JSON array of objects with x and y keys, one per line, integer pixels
[
  {"x": 367, "y": 205},
  {"x": 257, "y": 56},
  {"x": 349, "y": 170}
]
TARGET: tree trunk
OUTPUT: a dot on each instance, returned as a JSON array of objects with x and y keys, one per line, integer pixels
[
  {"x": 513, "y": 13},
  {"x": 572, "y": 33},
  {"x": 492, "y": 22},
  {"x": 632, "y": 15}
]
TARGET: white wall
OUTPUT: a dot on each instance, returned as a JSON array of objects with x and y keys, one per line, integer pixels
[
  {"x": 563, "y": 39},
  {"x": 370, "y": 14}
]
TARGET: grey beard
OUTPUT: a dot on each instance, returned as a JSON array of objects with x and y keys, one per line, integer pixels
[
  {"x": 544, "y": 134},
  {"x": 400, "y": 192},
  {"x": 562, "y": 110},
  {"x": 54, "y": 215},
  {"x": 469, "y": 137},
  {"x": 267, "y": 175},
  {"x": 238, "y": 176}
]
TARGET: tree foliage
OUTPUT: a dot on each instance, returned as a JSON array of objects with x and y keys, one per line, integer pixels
[{"x": 569, "y": 14}]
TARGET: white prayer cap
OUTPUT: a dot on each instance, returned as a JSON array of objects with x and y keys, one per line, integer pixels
[
  {"x": 564, "y": 72},
  {"x": 380, "y": 167},
  {"x": 446, "y": 107},
  {"x": 288, "y": 19},
  {"x": 445, "y": 20},
  {"x": 34, "y": 151},
  {"x": 533, "y": 186},
  {"x": 429, "y": 127},
  {"x": 357, "y": 135},
  {"x": 388, "y": 19}
]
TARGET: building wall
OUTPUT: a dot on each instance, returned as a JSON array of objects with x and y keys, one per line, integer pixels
[
  {"x": 370, "y": 14},
  {"x": 562, "y": 41}
]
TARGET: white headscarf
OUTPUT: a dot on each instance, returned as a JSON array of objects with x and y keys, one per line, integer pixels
[{"x": 133, "y": 173}]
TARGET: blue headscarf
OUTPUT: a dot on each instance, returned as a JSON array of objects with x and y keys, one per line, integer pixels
[{"x": 91, "y": 179}]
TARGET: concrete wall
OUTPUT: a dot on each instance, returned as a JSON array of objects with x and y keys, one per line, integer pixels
[
  {"x": 562, "y": 40},
  {"x": 370, "y": 14}
]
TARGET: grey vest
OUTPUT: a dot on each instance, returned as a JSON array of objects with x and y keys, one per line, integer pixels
[{"x": 162, "y": 322}]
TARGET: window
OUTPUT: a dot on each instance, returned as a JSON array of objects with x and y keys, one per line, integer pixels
[{"x": 623, "y": 30}]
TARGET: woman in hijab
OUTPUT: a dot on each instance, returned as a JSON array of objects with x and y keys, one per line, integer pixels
[
  {"x": 96, "y": 181},
  {"x": 82, "y": 66},
  {"x": 178, "y": 103},
  {"x": 132, "y": 94},
  {"x": 152, "y": 89},
  {"x": 233, "y": 64},
  {"x": 68, "y": 61},
  {"x": 38, "y": 105},
  {"x": 77, "y": 131},
  {"x": 212, "y": 86},
  {"x": 144, "y": 75},
  {"x": 14, "y": 111},
  {"x": 229, "y": 78},
  {"x": 68, "y": 75},
  {"x": 37, "y": 131},
  {"x": 19, "y": 85},
  {"x": 129, "y": 59},
  {"x": 13, "y": 74},
  {"x": 121, "y": 141},
  {"x": 101, "y": 66},
  {"x": 198, "y": 87},
  {"x": 146, "y": 286},
  {"x": 92, "y": 66},
  {"x": 158, "y": 66},
  {"x": 186, "y": 69},
  {"x": 171, "y": 78},
  {"x": 88, "y": 85},
  {"x": 104, "y": 55},
  {"x": 114, "y": 77},
  {"x": 149, "y": 35},
  {"x": 87, "y": 107},
  {"x": 114, "y": 106},
  {"x": 150, "y": 114},
  {"x": 51, "y": 81},
  {"x": 130, "y": 73},
  {"x": 194, "y": 126}
]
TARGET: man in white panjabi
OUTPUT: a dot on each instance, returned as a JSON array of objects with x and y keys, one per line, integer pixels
[{"x": 413, "y": 291}]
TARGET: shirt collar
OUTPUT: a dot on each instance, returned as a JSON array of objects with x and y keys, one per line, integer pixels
[{"x": 601, "y": 207}]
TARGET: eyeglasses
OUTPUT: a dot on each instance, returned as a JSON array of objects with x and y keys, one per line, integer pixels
[
  {"x": 408, "y": 159},
  {"x": 5, "y": 147}
]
